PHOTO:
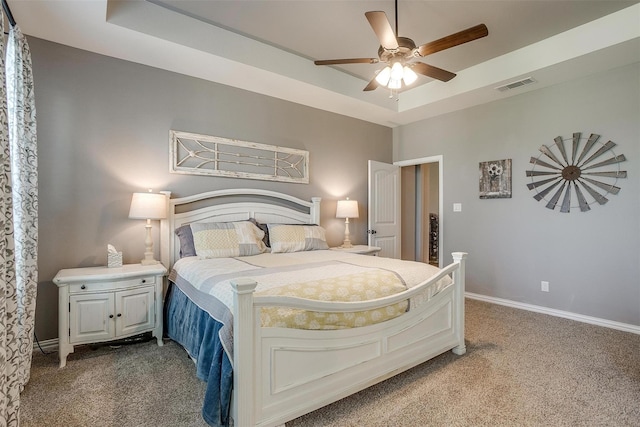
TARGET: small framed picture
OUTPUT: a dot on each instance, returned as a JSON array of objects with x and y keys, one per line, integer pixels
[{"x": 495, "y": 179}]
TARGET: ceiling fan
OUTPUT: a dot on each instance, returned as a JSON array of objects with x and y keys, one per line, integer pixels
[{"x": 399, "y": 52}]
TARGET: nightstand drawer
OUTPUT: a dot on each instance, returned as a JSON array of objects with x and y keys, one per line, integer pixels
[{"x": 90, "y": 286}]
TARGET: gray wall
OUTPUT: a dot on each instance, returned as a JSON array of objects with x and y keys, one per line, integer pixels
[
  {"x": 103, "y": 133},
  {"x": 592, "y": 260}
]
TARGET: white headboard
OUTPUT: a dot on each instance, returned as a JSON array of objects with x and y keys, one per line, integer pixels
[{"x": 231, "y": 205}]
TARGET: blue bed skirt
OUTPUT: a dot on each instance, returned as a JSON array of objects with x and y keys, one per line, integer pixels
[{"x": 196, "y": 331}]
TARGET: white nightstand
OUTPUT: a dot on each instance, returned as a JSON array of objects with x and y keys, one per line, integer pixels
[
  {"x": 359, "y": 249},
  {"x": 98, "y": 304}
]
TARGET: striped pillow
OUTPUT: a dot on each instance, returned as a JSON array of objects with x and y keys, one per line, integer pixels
[
  {"x": 227, "y": 239},
  {"x": 296, "y": 238}
]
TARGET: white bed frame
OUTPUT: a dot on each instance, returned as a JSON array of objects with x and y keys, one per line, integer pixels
[{"x": 281, "y": 374}]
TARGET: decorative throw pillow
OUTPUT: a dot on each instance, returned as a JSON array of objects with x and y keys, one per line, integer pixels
[
  {"x": 265, "y": 230},
  {"x": 186, "y": 241},
  {"x": 227, "y": 239},
  {"x": 296, "y": 238}
]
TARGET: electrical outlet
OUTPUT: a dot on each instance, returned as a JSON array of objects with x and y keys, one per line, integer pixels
[{"x": 544, "y": 286}]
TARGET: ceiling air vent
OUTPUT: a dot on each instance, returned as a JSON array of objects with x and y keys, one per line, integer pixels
[{"x": 516, "y": 84}]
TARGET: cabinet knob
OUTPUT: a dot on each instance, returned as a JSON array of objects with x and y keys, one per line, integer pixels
[
  {"x": 111, "y": 316},
  {"x": 119, "y": 314},
  {"x": 144, "y": 281},
  {"x": 83, "y": 287}
]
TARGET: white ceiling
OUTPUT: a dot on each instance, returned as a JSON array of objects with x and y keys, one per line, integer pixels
[{"x": 268, "y": 47}]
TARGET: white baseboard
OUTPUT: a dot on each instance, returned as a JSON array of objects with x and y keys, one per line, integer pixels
[
  {"x": 634, "y": 329},
  {"x": 47, "y": 345}
]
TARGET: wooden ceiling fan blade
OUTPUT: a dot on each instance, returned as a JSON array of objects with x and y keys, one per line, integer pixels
[
  {"x": 373, "y": 84},
  {"x": 381, "y": 26},
  {"x": 433, "y": 72},
  {"x": 452, "y": 40},
  {"x": 347, "y": 61}
]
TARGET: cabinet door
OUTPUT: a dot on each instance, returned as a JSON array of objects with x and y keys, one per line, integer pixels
[
  {"x": 89, "y": 318},
  {"x": 135, "y": 311}
]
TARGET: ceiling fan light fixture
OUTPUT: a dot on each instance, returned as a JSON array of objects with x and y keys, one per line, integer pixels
[
  {"x": 409, "y": 76},
  {"x": 397, "y": 51},
  {"x": 394, "y": 83},
  {"x": 396, "y": 71},
  {"x": 383, "y": 76}
]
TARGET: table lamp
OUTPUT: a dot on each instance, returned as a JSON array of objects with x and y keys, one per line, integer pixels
[
  {"x": 148, "y": 206},
  {"x": 347, "y": 209}
]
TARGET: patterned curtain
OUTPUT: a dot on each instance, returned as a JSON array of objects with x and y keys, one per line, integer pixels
[{"x": 18, "y": 221}]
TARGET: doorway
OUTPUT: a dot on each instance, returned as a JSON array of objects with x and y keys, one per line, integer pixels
[
  {"x": 389, "y": 201},
  {"x": 421, "y": 208}
]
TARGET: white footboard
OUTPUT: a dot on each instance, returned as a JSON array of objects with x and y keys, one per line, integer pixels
[{"x": 281, "y": 374}]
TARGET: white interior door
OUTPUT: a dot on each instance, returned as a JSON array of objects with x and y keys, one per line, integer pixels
[{"x": 384, "y": 208}]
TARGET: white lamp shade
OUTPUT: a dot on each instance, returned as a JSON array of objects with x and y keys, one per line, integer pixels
[
  {"x": 347, "y": 209},
  {"x": 148, "y": 206}
]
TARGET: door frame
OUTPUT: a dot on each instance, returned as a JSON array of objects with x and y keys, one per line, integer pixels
[{"x": 439, "y": 159}]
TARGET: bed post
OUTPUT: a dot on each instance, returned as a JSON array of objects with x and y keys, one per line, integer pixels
[
  {"x": 243, "y": 343},
  {"x": 165, "y": 234},
  {"x": 458, "y": 279},
  {"x": 315, "y": 210}
]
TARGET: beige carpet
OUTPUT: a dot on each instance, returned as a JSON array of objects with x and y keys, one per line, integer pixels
[{"x": 521, "y": 369}]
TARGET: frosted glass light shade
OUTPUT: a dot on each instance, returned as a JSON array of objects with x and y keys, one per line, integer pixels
[
  {"x": 409, "y": 76},
  {"x": 148, "y": 206},
  {"x": 347, "y": 209},
  {"x": 396, "y": 71},
  {"x": 383, "y": 76},
  {"x": 392, "y": 77},
  {"x": 394, "y": 84}
]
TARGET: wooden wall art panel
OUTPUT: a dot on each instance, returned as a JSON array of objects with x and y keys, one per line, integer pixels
[{"x": 195, "y": 154}]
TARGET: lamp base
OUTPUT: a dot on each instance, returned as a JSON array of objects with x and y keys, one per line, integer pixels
[
  {"x": 148, "y": 259},
  {"x": 346, "y": 244},
  {"x": 148, "y": 246}
]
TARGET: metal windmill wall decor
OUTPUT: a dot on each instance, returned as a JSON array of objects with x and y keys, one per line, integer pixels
[{"x": 587, "y": 173}]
